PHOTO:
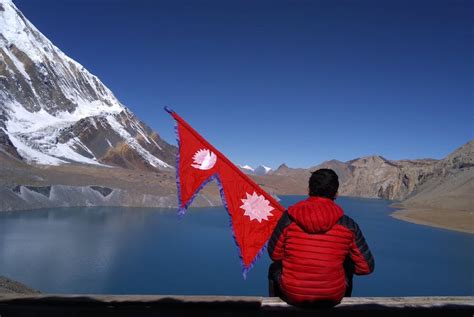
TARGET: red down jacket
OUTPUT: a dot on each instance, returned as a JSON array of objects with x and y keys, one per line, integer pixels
[{"x": 313, "y": 239}]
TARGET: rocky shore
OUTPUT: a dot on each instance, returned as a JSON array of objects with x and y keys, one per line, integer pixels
[
  {"x": 26, "y": 186},
  {"x": 457, "y": 220},
  {"x": 8, "y": 286}
]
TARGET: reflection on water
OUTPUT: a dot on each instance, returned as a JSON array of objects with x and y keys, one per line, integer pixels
[{"x": 151, "y": 251}]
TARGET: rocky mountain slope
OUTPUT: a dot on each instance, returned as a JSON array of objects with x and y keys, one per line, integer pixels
[
  {"x": 444, "y": 196},
  {"x": 53, "y": 111},
  {"x": 378, "y": 177},
  {"x": 448, "y": 184}
]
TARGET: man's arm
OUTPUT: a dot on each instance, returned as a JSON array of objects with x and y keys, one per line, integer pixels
[
  {"x": 275, "y": 244},
  {"x": 359, "y": 251}
]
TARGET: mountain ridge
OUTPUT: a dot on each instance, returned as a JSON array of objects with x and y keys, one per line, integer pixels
[{"x": 372, "y": 176}]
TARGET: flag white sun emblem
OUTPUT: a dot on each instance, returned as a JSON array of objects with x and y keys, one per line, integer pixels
[
  {"x": 256, "y": 207},
  {"x": 204, "y": 159}
]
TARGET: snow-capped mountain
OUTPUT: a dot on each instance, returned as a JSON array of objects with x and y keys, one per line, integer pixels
[
  {"x": 247, "y": 169},
  {"x": 53, "y": 111},
  {"x": 259, "y": 170},
  {"x": 262, "y": 170}
]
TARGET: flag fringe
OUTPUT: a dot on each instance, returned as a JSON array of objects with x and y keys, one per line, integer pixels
[{"x": 245, "y": 269}]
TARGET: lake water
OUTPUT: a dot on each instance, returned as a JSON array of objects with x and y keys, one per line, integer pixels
[{"x": 151, "y": 251}]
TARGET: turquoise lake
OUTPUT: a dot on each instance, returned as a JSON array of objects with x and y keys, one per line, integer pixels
[{"x": 151, "y": 251}]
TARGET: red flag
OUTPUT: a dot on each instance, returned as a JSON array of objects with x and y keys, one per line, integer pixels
[{"x": 254, "y": 213}]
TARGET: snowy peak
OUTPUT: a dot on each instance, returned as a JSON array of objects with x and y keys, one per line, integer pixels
[
  {"x": 259, "y": 170},
  {"x": 53, "y": 111},
  {"x": 40, "y": 76},
  {"x": 247, "y": 169}
]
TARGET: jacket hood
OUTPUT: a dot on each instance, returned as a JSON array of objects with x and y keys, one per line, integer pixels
[{"x": 315, "y": 214}]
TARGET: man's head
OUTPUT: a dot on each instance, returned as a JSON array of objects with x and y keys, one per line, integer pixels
[{"x": 324, "y": 183}]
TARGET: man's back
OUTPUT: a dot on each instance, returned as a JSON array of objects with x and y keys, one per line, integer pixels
[{"x": 313, "y": 239}]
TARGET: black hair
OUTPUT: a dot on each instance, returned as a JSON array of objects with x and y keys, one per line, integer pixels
[{"x": 324, "y": 183}]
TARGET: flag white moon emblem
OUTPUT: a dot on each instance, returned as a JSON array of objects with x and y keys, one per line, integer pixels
[
  {"x": 204, "y": 159},
  {"x": 256, "y": 207}
]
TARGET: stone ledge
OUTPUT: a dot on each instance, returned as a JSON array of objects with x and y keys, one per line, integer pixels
[{"x": 151, "y": 305}]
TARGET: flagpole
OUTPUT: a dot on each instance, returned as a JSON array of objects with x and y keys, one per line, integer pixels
[{"x": 224, "y": 158}]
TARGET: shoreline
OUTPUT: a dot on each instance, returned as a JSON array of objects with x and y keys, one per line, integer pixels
[
  {"x": 9, "y": 286},
  {"x": 449, "y": 219}
]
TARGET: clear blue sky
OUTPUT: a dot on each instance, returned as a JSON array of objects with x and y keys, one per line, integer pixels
[{"x": 282, "y": 81}]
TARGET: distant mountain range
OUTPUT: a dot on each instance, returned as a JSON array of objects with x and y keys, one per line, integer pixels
[
  {"x": 65, "y": 140},
  {"x": 423, "y": 182},
  {"x": 259, "y": 170}
]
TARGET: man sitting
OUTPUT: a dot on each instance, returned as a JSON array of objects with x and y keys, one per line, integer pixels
[{"x": 316, "y": 248}]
